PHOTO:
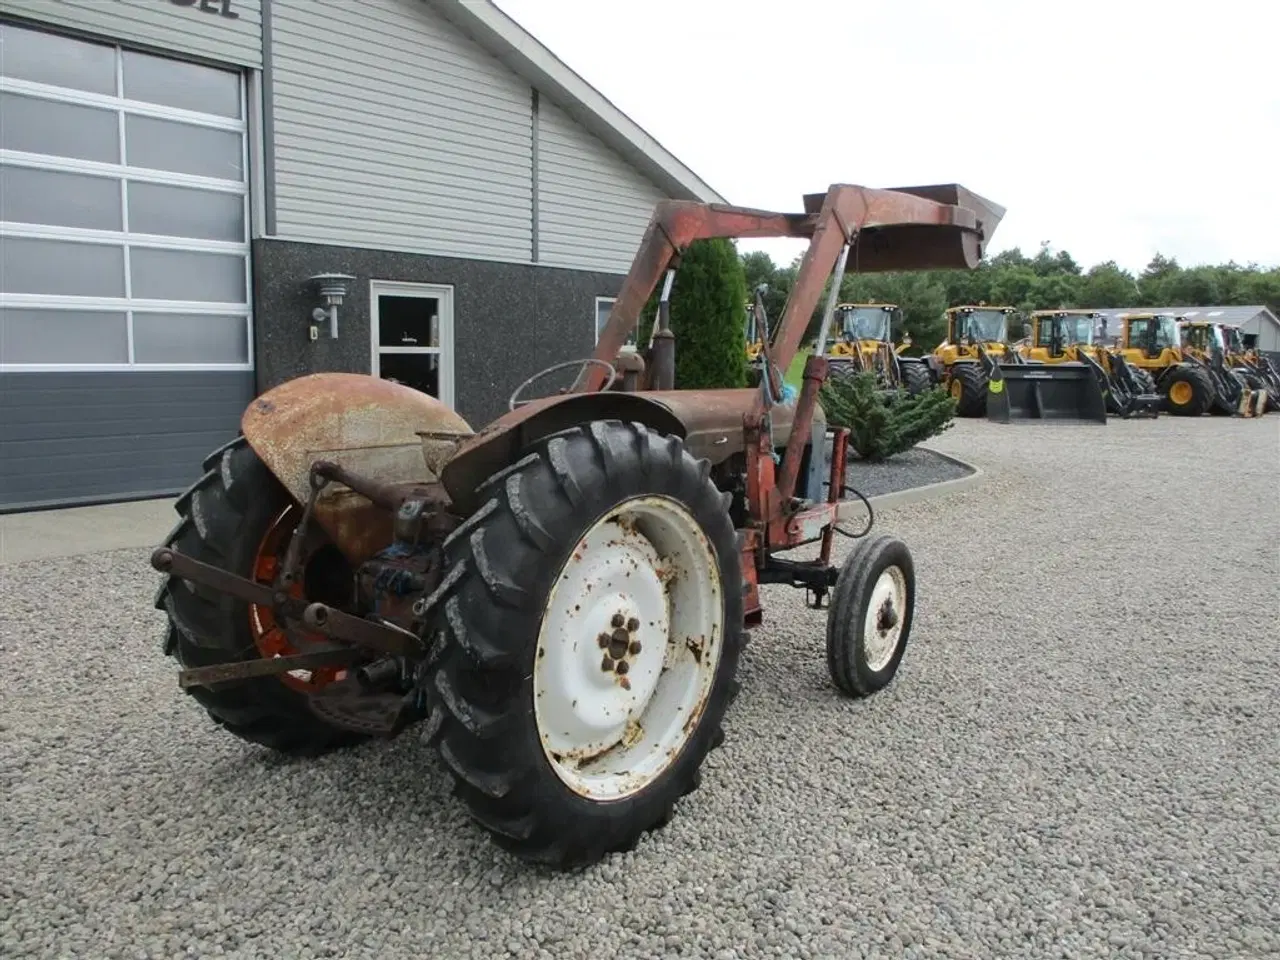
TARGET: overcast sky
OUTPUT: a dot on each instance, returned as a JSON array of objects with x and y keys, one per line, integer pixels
[{"x": 1111, "y": 129}]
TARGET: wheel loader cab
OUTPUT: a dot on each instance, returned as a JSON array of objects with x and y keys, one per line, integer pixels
[
  {"x": 1058, "y": 335},
  {"x": 1151, "y": 339}
]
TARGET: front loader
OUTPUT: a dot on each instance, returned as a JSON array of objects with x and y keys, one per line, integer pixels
[
  {"x": 987, "y": 376},
  {"x": 1067, "y": 336},
  {"x": 1238, "y": 392},
  {"x": 1152, "y": 342},
  {"x": 864, "y": 343},
  {"x": 1244, "y": 352},
  {"x": 559, "y": 600}
]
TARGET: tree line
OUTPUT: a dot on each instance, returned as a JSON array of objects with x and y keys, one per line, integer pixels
[{"x": 1047, "y": 280}]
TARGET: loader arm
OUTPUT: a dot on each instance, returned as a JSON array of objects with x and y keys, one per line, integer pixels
[{"x": 909, "y": 228}]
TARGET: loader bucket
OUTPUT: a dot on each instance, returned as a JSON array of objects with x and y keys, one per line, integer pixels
[
  {"x": 925, "y": 246},
  {"x": 1062, "y": 392}
]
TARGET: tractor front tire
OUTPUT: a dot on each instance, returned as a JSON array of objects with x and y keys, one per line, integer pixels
[
  {"x": 1188, "y": 391},
  {"x": 968, "y": 385},
  {"x": 590, "y": 639},
  {"x": 225, "y": 517},
  {"x": 869, "y": 621}
]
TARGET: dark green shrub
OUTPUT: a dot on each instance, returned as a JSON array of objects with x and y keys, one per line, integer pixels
[
  {"x": 881, "y": 425},
  {"x": 707, "y": 300}
]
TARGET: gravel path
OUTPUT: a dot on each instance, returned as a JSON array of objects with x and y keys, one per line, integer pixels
[{"x": 1079, "y": 759}]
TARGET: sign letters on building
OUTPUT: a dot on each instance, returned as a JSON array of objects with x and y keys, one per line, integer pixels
[{"x": 220, "y": 7}]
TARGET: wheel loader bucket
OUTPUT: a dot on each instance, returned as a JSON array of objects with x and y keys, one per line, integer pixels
[{"x": 1062, "y": 392}]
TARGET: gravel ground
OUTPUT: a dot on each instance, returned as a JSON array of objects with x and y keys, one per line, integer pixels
[
  {"x": 917, "y": 467},
  {"x": 1078, "y": 759}
]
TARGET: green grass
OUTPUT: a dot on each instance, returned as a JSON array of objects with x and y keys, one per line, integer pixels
[{"x": 795, "y": 372}]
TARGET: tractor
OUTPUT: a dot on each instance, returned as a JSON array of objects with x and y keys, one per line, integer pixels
[
  {"x": 558, "y": 601},
  {"x": 1239, "y": 391},
  {"x": 864, "y": 343},
  {"x": 1068, "y": 336}
]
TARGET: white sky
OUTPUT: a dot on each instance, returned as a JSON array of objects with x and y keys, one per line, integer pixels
[{"x": 1111, "y": 129}]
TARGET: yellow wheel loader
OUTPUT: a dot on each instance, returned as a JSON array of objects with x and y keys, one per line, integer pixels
[
  {"x": 1239, "y": 391},
  {"x": 1244, "y": 352},
  {"x": 1153, "y": 342},
  {"x": 1067, "y": 336},
  {"x": 865, "y": 343},
  {"x": 980, "y": 367}
]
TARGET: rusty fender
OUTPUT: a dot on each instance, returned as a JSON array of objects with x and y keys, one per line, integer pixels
[{"x": 378, "y": 429}]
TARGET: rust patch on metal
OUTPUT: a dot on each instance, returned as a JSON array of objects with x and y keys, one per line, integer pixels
[{"x": 365, "y": 424}]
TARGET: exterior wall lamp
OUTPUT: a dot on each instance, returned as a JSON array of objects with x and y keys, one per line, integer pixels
[{"x": 332, "y": 287}]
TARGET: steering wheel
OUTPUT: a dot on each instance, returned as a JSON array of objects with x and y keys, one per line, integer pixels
[{"x": 512, "y": 402}]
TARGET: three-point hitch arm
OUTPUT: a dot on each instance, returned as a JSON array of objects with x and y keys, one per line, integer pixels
[{"x": 906, "y": 228}]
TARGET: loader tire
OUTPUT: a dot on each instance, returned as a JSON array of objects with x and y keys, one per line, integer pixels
[
  {"x": 1188, "y": 391},
  {"x": 916, "y": 378},
  {"x": 968, "y": 386},
  {"x": 1146, "y": 382},
  {"x": 548, "y": 599},
  {"x": 225, "y": 516}
]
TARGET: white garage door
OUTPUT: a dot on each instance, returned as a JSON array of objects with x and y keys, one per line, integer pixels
[{"x": 124, "y": 265}]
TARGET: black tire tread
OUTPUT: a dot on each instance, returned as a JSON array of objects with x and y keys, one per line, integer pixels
[
  {"x": 532, "y": 514},
  {"x": 1205, "y": 393},
  {"x": 217, "y": 522},
  {"x": 846, "y": 602},
  {"x": 973, "y": 396},
  {"x": 916, "y": 378}
]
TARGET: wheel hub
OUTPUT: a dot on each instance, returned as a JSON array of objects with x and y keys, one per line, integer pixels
[
  {"x": 586, "y": 657},
  {"x": 629, "y": 648},
  {"x": 882, "y": 630}
]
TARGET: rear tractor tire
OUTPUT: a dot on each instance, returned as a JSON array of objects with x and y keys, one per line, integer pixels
[
  {"x": 238, "y": 517},
  {"x": 968, "y": 387},
  {"x": 590, "y": 642},
  {"x": 1188, "y": 391},
  {"x": 869, "y": 621}
]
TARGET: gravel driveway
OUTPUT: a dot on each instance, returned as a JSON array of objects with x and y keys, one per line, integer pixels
[{"x": 1078, "y": 759}]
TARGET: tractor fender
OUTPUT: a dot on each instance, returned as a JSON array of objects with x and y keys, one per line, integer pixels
[{"x": 371, "y": 426}]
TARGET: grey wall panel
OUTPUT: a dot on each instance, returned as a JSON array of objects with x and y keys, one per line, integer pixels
[
  {"x": 395, "y": 131},
  {"x": 228, "y": 31},
  {"x": 77, "y": 437},
  {"x": 593, "y": 207},
  {"x": 510, "y": 320}
]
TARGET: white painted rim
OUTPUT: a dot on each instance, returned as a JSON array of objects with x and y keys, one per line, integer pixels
[
  {"x": 881, "y": 634},
  {"x": 641, "y": 588}
]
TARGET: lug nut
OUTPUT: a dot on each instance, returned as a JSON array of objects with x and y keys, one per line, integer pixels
[
  {"x": 617, "y": 620},
  {"x": 634, "y": 648},
  {"x": 622, "y": 667},
  {"x": 603, "y": 640},
  {"x": 606, "y": 664},
  {"x": 633, "y": 625}
]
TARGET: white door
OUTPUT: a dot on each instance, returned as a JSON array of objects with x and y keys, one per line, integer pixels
[{"x": 412, "y": 335}]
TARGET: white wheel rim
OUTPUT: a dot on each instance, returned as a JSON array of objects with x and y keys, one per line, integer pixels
[
  {"x": 648, "y": 565},
  {"x": 886, "y": 613}
]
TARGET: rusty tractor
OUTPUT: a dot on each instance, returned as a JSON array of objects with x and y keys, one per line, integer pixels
[{"x": 558, "y": 601}]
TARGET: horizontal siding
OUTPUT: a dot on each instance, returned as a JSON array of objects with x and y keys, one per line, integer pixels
[
  {"x": 158, "y": 23},
  {"x": 393, "y": 130},
  {"x": 593, "y": 206},
  {"x": 67, "y": 437}
]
